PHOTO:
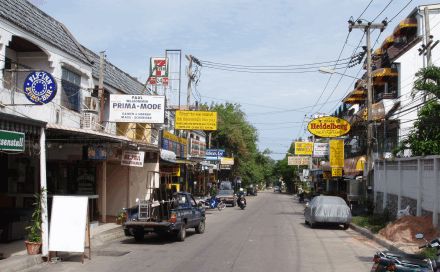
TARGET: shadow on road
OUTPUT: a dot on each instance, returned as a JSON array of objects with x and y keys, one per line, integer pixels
[
  {"x": 322, "y": 226},
  {"x": 155, "y": 239}
]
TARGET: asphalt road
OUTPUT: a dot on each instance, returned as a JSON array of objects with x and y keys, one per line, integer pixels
[{"x": 269, "y": 235}]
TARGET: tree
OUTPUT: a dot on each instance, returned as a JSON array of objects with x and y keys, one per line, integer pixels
[{"x": 424, "y": 139}]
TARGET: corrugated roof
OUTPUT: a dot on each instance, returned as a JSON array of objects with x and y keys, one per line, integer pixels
[{"x": 31, "y": 19}]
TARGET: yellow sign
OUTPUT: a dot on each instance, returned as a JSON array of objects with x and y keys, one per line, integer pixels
[
  {"x": 326, "y": 175},
  {"x": 196, "y": 120},
  {"x": 303, "y": 148},
  {"x": 227, "y": 161},
  {"x": 298, "y": 160},
  {"x": 174, "y": 138},
  {"x": 336, "y": 153},
  {"x": 336, "y": 172},
  {"x": 328, "y": 127}
]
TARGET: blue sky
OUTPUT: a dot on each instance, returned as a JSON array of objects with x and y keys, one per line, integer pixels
[{"x": 245, "y": 32}]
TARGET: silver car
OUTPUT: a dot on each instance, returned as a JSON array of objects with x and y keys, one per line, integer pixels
[{"x": 329, "y": 210}]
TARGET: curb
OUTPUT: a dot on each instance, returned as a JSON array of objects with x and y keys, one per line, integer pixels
[
  {"x": 19, "y": 263},
  {"x": 107, "y": 236},
  {"x": 367, "y": 233}
]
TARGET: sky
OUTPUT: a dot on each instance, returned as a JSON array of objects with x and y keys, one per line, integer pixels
[{"x": 239, "y": 32}]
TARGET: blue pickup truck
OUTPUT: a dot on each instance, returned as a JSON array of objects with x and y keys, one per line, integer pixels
[{"x": 171, "y": 216}]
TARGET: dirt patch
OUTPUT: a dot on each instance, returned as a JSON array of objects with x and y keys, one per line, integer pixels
[{"x": 404, "y": 229}]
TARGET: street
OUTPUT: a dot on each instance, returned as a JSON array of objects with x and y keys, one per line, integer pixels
[{"x": 269, "y": 235}]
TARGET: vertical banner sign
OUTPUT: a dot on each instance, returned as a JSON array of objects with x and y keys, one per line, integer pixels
[
  {"x": 337, "y": 153},
  {"x": 303, "y": 148},
  {"x": 158, "y": 71},
  {"x": 336, "y": 172},
  {"x": 320, "y": 150}
]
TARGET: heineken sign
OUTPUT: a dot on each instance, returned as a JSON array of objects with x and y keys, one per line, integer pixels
[{"x": 11, "y": 141}]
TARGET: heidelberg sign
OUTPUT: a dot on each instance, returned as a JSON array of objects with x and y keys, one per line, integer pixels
[{"x": 328, "y": 127}]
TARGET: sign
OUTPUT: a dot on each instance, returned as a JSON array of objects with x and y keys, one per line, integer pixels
[
  {"x": 196, "y": 120},
  {"x": 173, "y": 170},
  {"x": 40, "y": 87},
  {"x": 68, "y": 222},
  {"x": 133, "y": 158},
  {"x": 336, "y": 153},
  {"x": 328, "y": 127},
  {"x": 320, "y": 150},
  {"x": 197, "y": 148},
  {"x": 158, "y": 67},
  {"x": 95, "y": 153},
  {"x": 125, "y": 108},
  {"x": 306, "y": 173},
  {"x": 11, "y": 140},
  {"x": 336, "y": 172},
  {"x": 173, "y": 143},
  {"x": 214, "y": 154},
  {"x": 303, "y": 148},
  {"x": 225, "y": 167},
  {"x": 158, "y": 81},
  {"x": 298, "y": 160},
  {"x": 227, "y": 161}
]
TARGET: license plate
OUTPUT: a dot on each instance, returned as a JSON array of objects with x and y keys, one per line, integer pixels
[{"x": 373, "y": 269}]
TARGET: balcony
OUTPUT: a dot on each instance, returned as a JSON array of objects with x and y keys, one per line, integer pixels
[{"x": 405, "y": 35}]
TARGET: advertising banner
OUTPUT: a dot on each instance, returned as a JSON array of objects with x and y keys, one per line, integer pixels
[
  {"x": 11, "y": 140},
  {"x": 125, "y": 108},
  {"x": 196, "y": 120},
  {"x": 336, "y": 172},
  {"x": 328, "y": 127},
  {"x": 174, "y": 143},
  {"x": 337, "y": 153},
  {"x": 298, "y": 160},
  {"x": 320, "y": 150},
  {"x": 133, "y": 158},
  {"x": 303, "y": 148},
  {"x": 227, "y": 161}
]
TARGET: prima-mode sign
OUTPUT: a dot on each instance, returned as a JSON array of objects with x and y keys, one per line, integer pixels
[
  {"x": 40, "y": 87},
  {"x": 137, "y": 108}
]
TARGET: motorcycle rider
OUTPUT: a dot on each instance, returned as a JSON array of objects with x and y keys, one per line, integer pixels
[
  {"x": 240, "y": 194},
  {"x": 301, "y": 194}
]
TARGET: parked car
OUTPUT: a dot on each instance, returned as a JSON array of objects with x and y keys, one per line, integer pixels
[
  {"x": 173, "y": 217},
  {"x": 327, "y": 210},
  {"x": 277, "y": 189},
  {"x": 227, "y": 196}
]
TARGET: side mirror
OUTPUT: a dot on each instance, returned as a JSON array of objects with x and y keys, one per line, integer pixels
[{"x": 419, "y": 236}]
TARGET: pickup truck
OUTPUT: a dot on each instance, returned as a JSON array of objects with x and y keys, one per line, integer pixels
[{"x": 165, "y": 217}]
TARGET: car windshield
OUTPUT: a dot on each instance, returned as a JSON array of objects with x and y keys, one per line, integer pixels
[
  {"x": 331, "y": 200},
  {"x": 225, "y": 192}
]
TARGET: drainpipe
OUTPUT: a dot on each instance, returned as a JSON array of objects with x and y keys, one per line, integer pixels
[{"x": 43, "y": 186}]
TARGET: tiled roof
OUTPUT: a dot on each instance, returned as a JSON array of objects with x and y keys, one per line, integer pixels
[
  {"x": 32, "y": 19},
  {"x": 115, "y": 77}
]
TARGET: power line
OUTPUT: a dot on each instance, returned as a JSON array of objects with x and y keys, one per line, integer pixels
[
  {"x": 365, "y": 9},
  {"x": 382, "y": 10},
  {"x": 407, "y": 4}
]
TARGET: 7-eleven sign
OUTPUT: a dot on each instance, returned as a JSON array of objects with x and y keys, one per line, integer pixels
[{"x": 158, "y": 67}]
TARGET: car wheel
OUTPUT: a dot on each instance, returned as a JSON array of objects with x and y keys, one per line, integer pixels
[
  {"x": 201, "y": 227},
  {"x": 346, "y": 226},
  {"x": 138, "y": 235},
  {"x": 181, "y": 235},
  {"x": 306, "y": 222},
  {"x": 312, "y": 225}
]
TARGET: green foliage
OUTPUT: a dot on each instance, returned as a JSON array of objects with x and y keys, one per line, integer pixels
[
  {"x": 428, "y": 81},
  {"x": 239, "y": 138},
  {"x": 34, "y": 229},
  {"x": 374, "y": 222},
  {"x": 430, "y": 253}
]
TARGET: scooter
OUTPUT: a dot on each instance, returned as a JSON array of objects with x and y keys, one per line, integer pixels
[
  {"x": 241, "y": 202},
  {"x": 392, "y": 261},
  {"x": 213, "y": 202}
]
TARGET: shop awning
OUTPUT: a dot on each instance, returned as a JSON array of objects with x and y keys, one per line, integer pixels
[
  {"x": 384, "y": 72},
  {"x": 354, "y": 166},
  {"x": 387, "y": 42},
  {"x": 168, "y": 156},
  {"x": 20, "y": 124},
  {"x": 404, "y": 26},
  {"x": 356, "y": 96}
]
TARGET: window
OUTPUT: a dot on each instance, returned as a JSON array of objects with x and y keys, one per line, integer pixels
[{"x": 71, "y": 95}]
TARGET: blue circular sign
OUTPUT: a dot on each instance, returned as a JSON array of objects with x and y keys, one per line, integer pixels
[{"x": 40, "y": 87}]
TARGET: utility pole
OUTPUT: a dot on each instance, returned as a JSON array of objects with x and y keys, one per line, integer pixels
[
  {"x": 190, "y": 79},
  {"x": 367, "y": 27},
  {"x": 101, "y": 86},
  {"x": 428, "y": 38}
]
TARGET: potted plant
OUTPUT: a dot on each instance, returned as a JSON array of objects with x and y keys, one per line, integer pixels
[
  {"x": 122, "y": 217},
  {"x": 33, "y": 243}
]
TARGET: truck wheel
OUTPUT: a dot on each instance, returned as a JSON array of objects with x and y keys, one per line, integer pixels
[
  {"x": 138, "y": 235},
  {"x": 181, "y": 235},
  {"x": 201, "y": 227}
]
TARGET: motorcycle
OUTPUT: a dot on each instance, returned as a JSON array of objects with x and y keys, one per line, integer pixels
[
  {"x": 213, "y": 202},
  {"x": 241, "y": 202},
  {"x": 392, "y": 261}
]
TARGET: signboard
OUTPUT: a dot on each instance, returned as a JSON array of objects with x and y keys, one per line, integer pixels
[
  {"x": 95, "y": 152},
  {"x": 196, "y": 120},
  {"x": 303, "y": 148},
  {"x": 320, "y": 150},
  {"x": 197, "y": 148},
  {"x": 68, "y": 223},
  {"x": 11, "y": 140},
  {"x": 298, "y": 160},
  {"x": 336, "y": 172},
  {"x": 173, "y": 170},
  {"x": 173, "y": 143},
  {"x": 133, "y": 158},
  {"x": 126, "y": 108},
  {"x": 306, "y": 173},
  {"x": 336, "y": 153},
  {"x": 214, "y": 154},
  {"x": 225, "y": 167},
  {"x": 227, "y": 161},
  {"x": 158, "y": 81},
  {"x": 159, "y": 67},
  {"x": 328, "y": 127},
  {"x": 40, "y": 87}
]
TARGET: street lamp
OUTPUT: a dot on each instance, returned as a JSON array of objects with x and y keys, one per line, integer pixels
[{"x": 326, "y": 70}]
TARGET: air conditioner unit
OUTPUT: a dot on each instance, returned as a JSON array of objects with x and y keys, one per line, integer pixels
[
  {"x": 91, "y": 103},
  {"x": 89, "y": 120}
]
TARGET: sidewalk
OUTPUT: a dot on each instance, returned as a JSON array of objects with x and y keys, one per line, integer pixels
[{"x": 17, "y": 259}]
